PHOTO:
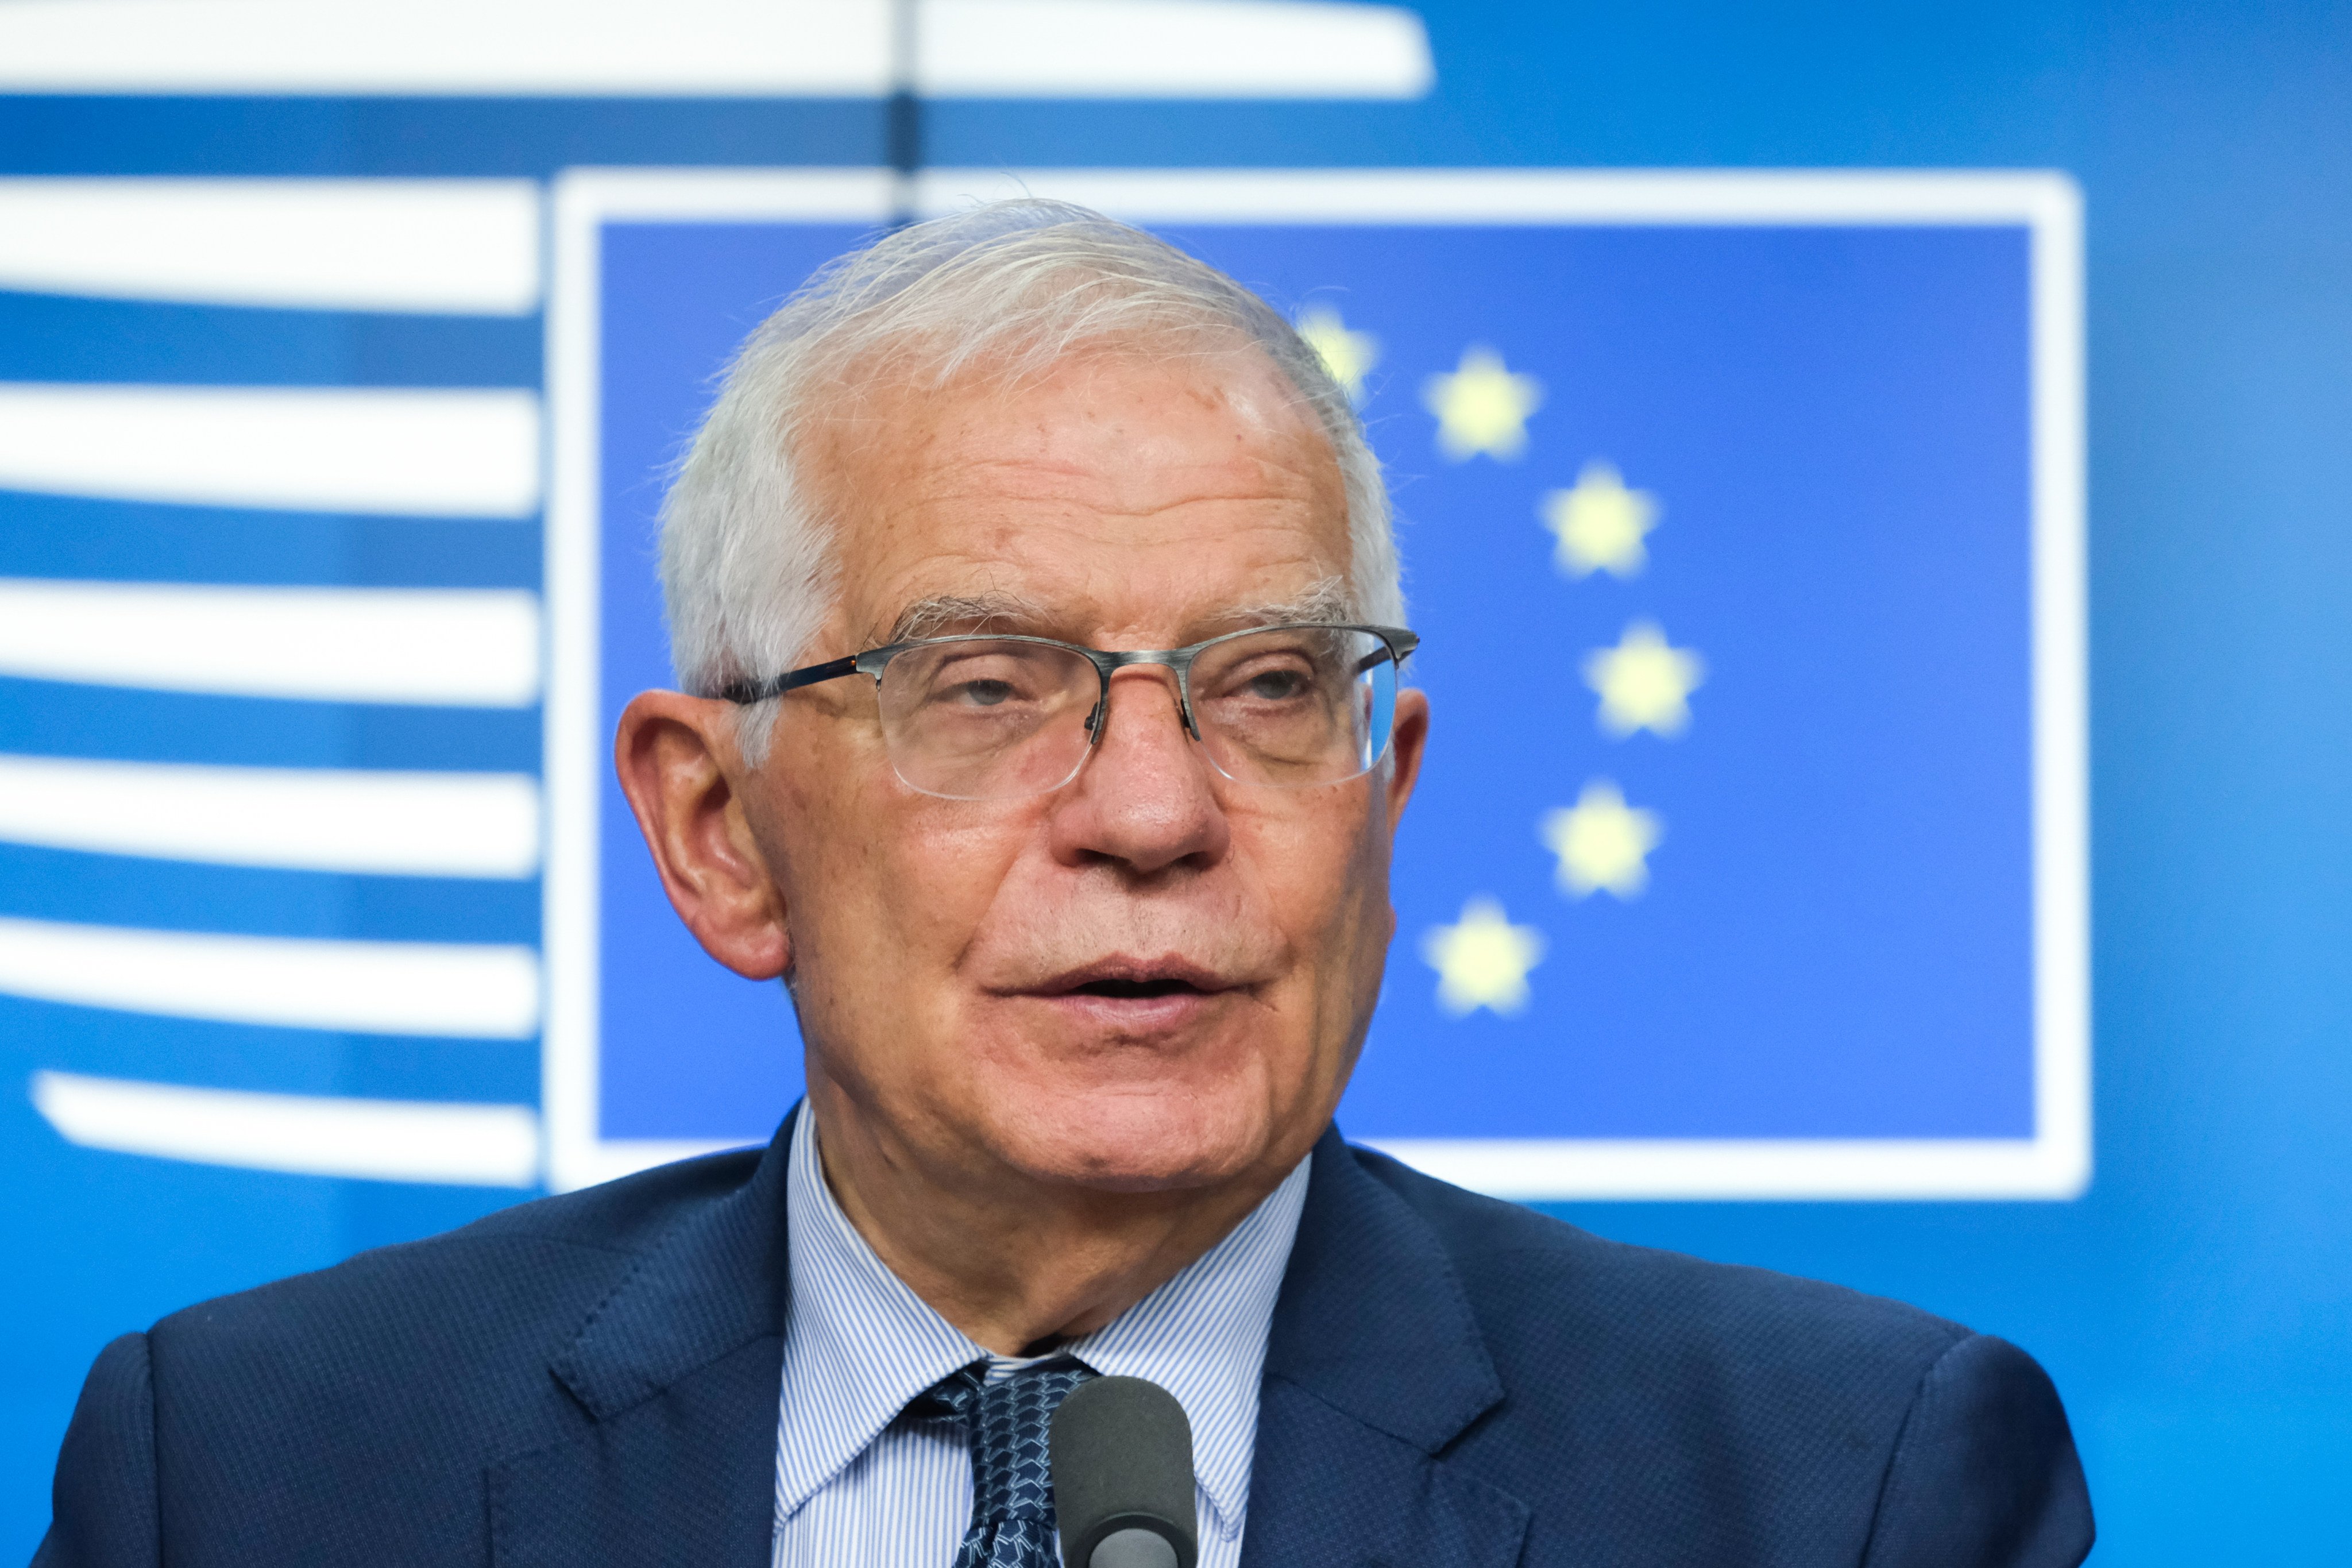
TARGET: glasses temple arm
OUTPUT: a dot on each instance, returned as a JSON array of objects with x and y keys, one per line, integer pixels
[{"x": 833, "y": 670}]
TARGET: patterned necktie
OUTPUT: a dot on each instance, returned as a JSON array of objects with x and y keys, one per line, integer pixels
[{"x": 1011, "y": 1478}]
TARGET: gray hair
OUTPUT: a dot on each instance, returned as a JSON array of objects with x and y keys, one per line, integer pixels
[{"x": 748, "y": 570}]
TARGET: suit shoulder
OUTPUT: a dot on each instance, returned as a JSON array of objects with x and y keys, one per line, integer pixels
[
  {"x": 365, "y": 1400},
  {"x": 546, "y": 1261},
  {"x": 1531, "y": 1276},
  {"x": 1648, "y": 1397}
]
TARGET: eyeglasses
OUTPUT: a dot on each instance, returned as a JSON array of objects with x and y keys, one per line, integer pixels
[{"x": 997, "y": 718}]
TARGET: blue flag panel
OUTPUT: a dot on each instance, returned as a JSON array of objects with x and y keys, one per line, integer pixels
[{"x": 1745, "y": 831}]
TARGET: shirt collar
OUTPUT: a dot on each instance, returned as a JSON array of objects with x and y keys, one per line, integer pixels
[{"x": 859, "y": 1344}]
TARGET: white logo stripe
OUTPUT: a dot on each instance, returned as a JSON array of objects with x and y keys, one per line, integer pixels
[
  {"x": 459, "y": 647},
  {"x": 472, "y": 990},
  {"x": 1542, "y": 1170},
  {"x": 1169, "y": 49},
  {"x": 444, "y": 246},
  {"x": 469, "y": 452},
  {"x": 313, "y": 1135},
  {"x": 833, "y": 49},
  {"x": 313, "y": 819}
]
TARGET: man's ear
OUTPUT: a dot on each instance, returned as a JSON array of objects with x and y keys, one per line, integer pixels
[
  {"x": 678, "y": 762},
  {"x": 1406, "y": 741}
]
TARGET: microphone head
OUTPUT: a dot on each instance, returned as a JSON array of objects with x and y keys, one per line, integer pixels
[{"x": 1122, "y": 1459}]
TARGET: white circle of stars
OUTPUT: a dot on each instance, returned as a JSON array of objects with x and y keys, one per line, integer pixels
[
  {"x": 1599, "y": 524},
  {"x": 1483, "y": 960},
  {"x": 1644, "y": 684},
  {"x": 1347, "y": 355},
  {"x": 1482, "y": 406},
  {"x": 1603, "y": 844}
]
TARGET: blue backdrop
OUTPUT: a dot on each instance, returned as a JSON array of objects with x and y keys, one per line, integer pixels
[
  {"x": 1834, "y": 425},
  {"x": 2193, "y": 1303}
]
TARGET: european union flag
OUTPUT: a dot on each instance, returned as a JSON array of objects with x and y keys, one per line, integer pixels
[{"x": 1741, "y": 520}]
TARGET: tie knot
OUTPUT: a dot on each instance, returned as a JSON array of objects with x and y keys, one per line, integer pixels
[{"x": 1007, "y": 1422}]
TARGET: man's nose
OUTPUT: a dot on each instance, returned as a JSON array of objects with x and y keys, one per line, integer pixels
[{"x": 1146, "y": 795}]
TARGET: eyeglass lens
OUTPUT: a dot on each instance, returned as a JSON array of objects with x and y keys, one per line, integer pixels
[{"x": 987, "y": 719}]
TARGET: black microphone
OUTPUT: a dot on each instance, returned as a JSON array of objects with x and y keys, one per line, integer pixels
[{"x": 1122, "y": 1457}]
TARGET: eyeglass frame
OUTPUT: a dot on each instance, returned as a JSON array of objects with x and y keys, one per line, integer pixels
[{"x": 1400, "y": 642}]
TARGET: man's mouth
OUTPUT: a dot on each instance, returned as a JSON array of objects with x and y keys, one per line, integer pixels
[
  {"x": 1135, "y": 990},
  {"x": 1123, "y": 979}
]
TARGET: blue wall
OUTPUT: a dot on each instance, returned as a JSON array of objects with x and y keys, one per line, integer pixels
[{"x": 2196, "y": 1305}]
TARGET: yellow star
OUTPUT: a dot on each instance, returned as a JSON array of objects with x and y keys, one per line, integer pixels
[
  {"x": 1644, "y": 684},
  {"x": 1347, "y": 355},
  {"x": 1482, "y": 961},
  {"x": 1601, "y": 842},
  {"x": 1481, "y": 407},
  {"x": 1601, "y": 523}
]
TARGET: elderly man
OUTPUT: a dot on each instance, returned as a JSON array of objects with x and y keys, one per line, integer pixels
[{"x": 1033, "y": 592}]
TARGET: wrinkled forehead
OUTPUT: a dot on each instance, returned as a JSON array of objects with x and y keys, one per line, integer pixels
[{"x": 1107, "y": 491}]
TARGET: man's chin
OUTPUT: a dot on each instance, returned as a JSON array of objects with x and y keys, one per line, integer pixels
[{"x": 1136, "y": 1142}]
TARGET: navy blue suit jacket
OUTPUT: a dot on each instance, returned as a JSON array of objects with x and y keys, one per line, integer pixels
[{"x": 590, "y": 1382}]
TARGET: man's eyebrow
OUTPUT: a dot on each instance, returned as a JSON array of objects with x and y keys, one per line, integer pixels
[
  {"x": 1325, "y": 602},
  {"x": 964, "y": 611}
]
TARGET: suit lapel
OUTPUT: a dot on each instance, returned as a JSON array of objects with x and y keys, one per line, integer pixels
[
  {"x": 678, "y": 1372},
  {"x": 1374, "y": 1366}
]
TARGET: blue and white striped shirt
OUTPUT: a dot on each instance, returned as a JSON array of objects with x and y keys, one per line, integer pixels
[{"x": 856, "y": 1485}]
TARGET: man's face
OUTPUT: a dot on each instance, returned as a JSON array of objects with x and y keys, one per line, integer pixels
[{"x": 1152, "y": 977}]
